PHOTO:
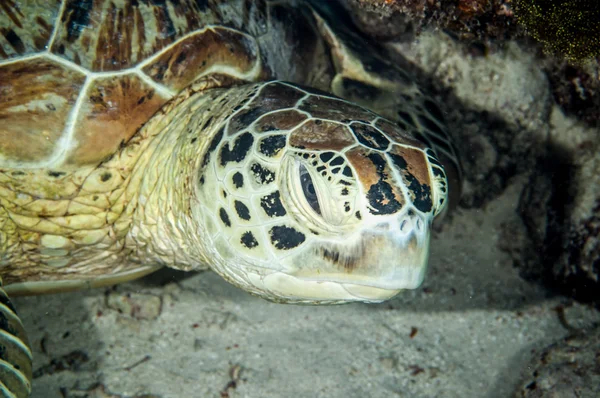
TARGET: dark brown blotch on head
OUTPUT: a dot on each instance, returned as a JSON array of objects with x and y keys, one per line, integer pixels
[
  {"x": 242, "y": 210},
  {"x": 238, "y": 151},
  {"x": 248, "y": 240},
  {"x": 323, "y": 136},
  {"x": 337, "y": 161},
  {"x": 238, "y": 179},
  {"x": 369, "y": 136},
  {"x": 224, "y": 217},
  {"x": 365, "y": 169},
  {"x": 326, "y": 156},
  {"x": 270, "y": 97},
  {"x": 382, "y": 200},
  {"x": 214, "y": 144},
  {"x": 277, "y": 95},
  {"x": 413, "y": 168},
  {"x": 262, "y": 174},
  {"x": 286, "y": 238},
  {"x": 415, "y": 163},
  {"x": 271, "y": 146},
  {"x": 383, "y": 196},
  {"x": 244, "y": 118},
  {"x": 272, "y": 205},
  {"x": 376, "y": 177}
]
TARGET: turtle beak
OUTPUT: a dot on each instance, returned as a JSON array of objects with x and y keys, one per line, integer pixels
[
  {"x": 378, "y": 265},
  {"x": 384, "y": 261}
]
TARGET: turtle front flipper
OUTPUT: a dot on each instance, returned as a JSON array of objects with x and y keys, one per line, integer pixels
[{"x": 15, "y": 352}]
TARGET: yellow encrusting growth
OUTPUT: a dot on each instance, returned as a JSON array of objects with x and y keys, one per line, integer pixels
[{"x": 568, "y": 28}]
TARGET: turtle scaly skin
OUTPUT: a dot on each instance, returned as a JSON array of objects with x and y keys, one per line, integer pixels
[{"x": 253, "y": 138}]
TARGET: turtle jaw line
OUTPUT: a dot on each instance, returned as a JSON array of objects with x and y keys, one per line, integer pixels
[{"x": 285, "y": 288}]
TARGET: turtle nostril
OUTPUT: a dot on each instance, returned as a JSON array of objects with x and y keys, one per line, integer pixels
[
  {"x": 411, "y": 222},
  {"x": 402, "y": 225}
]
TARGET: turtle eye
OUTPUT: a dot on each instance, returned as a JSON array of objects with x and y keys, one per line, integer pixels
[{"x": 309, "y": 189}]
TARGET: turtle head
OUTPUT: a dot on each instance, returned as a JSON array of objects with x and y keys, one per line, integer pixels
[{"x": 308, "y": 198}]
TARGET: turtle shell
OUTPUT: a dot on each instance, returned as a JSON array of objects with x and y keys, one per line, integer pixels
[{"x": 79, "y": 77}]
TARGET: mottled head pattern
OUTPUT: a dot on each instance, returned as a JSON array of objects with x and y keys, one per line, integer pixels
[{"x": 310, "y": 198}]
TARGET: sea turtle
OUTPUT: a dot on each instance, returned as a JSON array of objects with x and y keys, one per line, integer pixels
[{"x": 266, "y": 140}]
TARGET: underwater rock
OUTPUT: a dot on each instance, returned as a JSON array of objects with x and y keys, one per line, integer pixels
[
  {"x": 568, "y": 368},
  {"x": 567, "y": 28},
  {"x": 576, "y": 87},
  {"x": 561, "y": 211},
  {"x": 481, "y": 20},
  {"x": 486, "y": 26},
  {"x": 387, "y": 20}
]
